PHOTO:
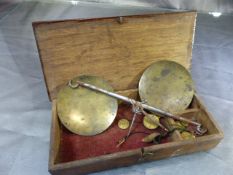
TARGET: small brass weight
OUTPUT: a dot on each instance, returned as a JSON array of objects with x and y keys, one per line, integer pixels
[
  {"x": 123, "y": 124},
  {"x": 150, "y": 124}
]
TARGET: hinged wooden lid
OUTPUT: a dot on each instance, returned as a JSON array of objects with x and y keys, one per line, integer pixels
[{"x": 117, "y": 49}]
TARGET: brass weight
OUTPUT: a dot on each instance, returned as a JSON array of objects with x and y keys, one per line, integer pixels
[
  {"x": 166, "y": 85},
  {"x": 150, "y": 124},
  {"x": 86, "y": 112},
  {"x": 123, "y": 123}
]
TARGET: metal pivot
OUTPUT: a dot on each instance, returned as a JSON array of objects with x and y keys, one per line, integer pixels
[{"x": 136, "y": 110}]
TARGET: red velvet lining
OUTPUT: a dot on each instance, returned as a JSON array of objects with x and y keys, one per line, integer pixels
[{"x": 76, "y": 147}]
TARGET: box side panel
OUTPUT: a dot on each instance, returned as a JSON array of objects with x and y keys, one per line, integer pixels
[
  {"x": 148, "y": 154},
  {"x": 206, "y": 118},
  {"x": 117, "y": 51},
  {"x": 183, "y": 147},
  {"x": 97, "y": 164},
  {"x": 54, "y": 137}
]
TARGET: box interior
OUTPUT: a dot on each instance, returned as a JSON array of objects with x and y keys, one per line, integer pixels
[{"x": 74, "y": 147}]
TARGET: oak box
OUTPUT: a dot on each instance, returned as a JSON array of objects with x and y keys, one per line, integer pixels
[{"x": 118, "y": 49}]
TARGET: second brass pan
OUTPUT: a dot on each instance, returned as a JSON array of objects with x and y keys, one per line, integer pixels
[
  {"x": 86, "y": 112},
  {"x": 166, "y": 85}
]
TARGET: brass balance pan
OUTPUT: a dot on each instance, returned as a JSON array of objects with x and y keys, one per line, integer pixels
[
  {"x": 166, "y": 85},
  {"x": 86, "y": 112}
]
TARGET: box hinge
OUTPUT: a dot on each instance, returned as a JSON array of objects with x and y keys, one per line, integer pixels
[
  {"x": 145, "y": 155},
  {"x": 120, "y": 20}
]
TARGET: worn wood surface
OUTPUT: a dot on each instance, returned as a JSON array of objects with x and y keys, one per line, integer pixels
[
  {"x": 118, "y": 52},
  {"x": 54, "y": 136}
]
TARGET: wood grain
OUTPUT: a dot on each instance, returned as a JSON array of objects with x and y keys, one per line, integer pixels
[
  {"x": 118, "y": 52},
  {"x": 54, "y": 136}
]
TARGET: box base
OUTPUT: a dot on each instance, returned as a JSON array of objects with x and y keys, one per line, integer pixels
[
  {"x": 73, "y": 154},
  {"x": 76, "y": 147}
]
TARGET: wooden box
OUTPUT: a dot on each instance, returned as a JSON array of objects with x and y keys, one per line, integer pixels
[{"x": 118, "y": 49}]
